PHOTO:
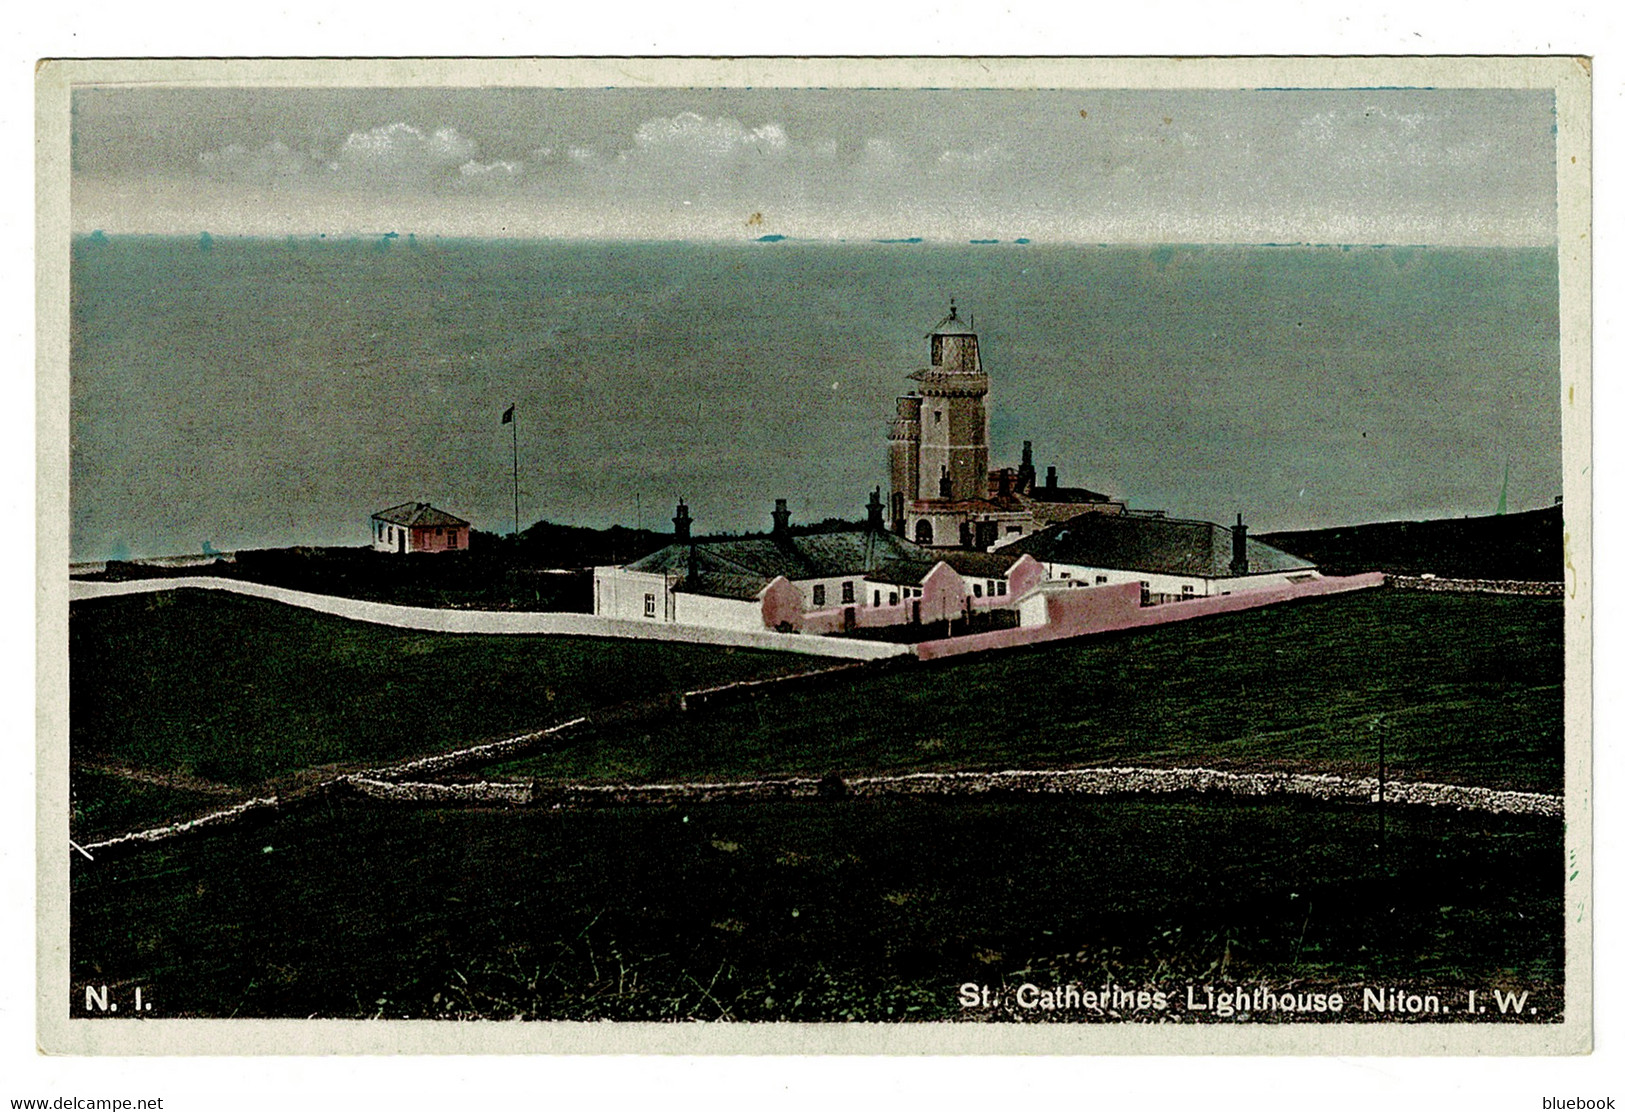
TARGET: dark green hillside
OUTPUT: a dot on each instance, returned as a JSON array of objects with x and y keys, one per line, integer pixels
[
  {"x": 864, "y": 909},
  {"x": 237, "y": 690},
  {"x": 1527, "y": 546},
  {"x": 1463, "y": 688}
]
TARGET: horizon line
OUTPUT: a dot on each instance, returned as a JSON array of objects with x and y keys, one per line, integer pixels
[{"x": 767, "y": 242}]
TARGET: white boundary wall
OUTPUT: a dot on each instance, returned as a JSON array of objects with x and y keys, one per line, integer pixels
[
  {"x": 1159, "y": 583},
  {"x": 501, "y": 621}
]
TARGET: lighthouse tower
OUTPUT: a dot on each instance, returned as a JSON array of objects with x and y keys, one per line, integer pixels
[{"x": 938, "y": 440}]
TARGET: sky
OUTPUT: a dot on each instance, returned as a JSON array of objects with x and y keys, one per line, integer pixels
[{"x": 1403, "y": 166}]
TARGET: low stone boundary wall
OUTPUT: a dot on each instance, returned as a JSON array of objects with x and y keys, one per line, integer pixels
[
  {"x": 1533, "y": 588},
  {"x": 482, "y": 792},
  {"x": 376, "y": 785},
  {"x": 1111, "y": 781},
  {"x": 725, "y": 694},
  {"x": 256, "y": 808},
  {"x": 422, "y": 766},
  {"x": 473, "y": 755},
  {"x": 1083, "y": 781}
]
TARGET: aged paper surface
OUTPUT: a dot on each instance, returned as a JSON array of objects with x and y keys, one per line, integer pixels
[{"x": 1318, "y": 293}]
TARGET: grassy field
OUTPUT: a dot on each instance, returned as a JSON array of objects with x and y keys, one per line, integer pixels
[
  {"x": 1527, "y": 545},
  {"x": 238, "y": 690},
  {"x": 105, "y": 804},
  {"x": 822, "y": 910},
  {"x": 1464, "y": 689}
]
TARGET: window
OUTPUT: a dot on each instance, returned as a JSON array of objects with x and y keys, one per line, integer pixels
[
  {"x": 648, "y": 606},
  {"x": 891, "y": 599},
  {"x": 847, "y": 592},
  {"x": 1013, "y": 529},
  {"x": 977, "y": 587},
  {"x": 451, "y": 541},
  {"x": 1004, "y": 588},
  {"x": 1066, "y": 575},
  {"x": 877, "y": 598},
  {"x": 1187, "y": 590},
  {"x": 938, "y": 414},
  {"x": 1100, "y": 579},
  {"x": 818, "y": 594}
]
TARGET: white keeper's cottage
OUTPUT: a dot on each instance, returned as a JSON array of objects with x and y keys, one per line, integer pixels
[{"x": 418, "y": 527}]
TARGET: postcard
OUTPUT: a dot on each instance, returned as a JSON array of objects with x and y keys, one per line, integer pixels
[{"x": 837, "y": 556}]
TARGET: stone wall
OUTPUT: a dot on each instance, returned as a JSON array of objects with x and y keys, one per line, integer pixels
[
  {"x": 473, "y": 755},
  {"x": 483, "y": 792},
  {"x": 264, "y": 807},
  {"x": 1080, "y": 781},
  {"x": 1534, "y": 588}
]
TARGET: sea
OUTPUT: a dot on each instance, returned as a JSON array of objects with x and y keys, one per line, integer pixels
[{"x": 238, "y": 393}]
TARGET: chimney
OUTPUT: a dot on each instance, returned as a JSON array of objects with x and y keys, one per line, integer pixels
[
  {"x": 1004, "y": 482},
  {"x": 682, "y": 521},
  {"x": 877, "y": 518},
  {"x": 1238, "y": 548},
  {"x": 781, "y": 518},
  {"x": 691, "y": 582},
  {"x": 945, "y": 486},
  {"x": 1049, "y": 478}
]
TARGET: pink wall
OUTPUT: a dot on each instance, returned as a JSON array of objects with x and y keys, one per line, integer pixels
[
  {"x": 424, "y": 539},
  {"x": 833, "y": 619},
  {"x": 781, "y": 602},
  {"x": 1073, "y": 613},
  {"x": 822, "y": 621},
  {"x": 942, "y": 594},
  {"x": 1025, "y": 574}
]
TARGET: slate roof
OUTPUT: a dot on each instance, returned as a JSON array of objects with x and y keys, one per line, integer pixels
[
  {"x": 981, "y": 565},
  {"x": 739, "y": 567},
  {"x": 1066, "y": 495},
  {"x": 418, "y": 514},
  {"x": 1168, "y": 546}
]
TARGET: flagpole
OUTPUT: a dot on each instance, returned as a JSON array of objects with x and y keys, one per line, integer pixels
[{"x": 515, "y": 409}]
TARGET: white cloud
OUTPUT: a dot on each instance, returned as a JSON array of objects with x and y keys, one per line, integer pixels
[
  {"x": 691, "y": 137},
  {"x": 977, "y": 161},
  {"x": 402, "y": 153},
  {"x": 494, "y": 170}
]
